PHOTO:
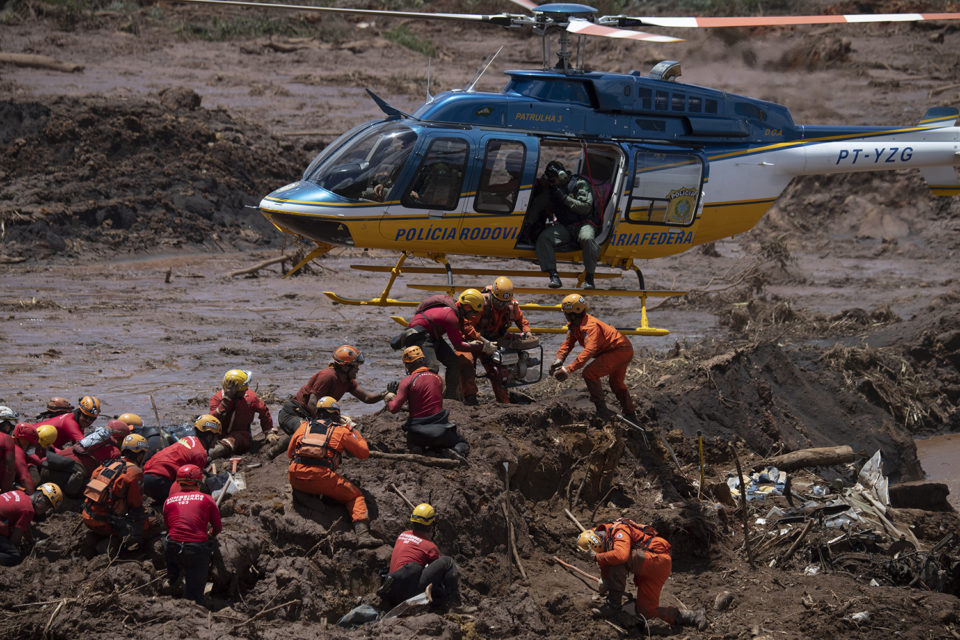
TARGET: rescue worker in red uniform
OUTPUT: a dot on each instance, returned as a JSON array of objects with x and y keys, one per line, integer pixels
[
  {"x": 17, "y": 511},
  {"x": 500, "y": 311},
  {"x": 27, "y": 440},
  {"x": 338, "y": 378},
  {"x": 315, "y": 453},
  {"x": 623, "y": 547},
  {"x": 610, "y": 350},
  {"x": 235, "y": 406},
  {"x": 113, "y": 499},
  {"x": 72, "y": 466},
  {"x": 439, "y": 316},
  {"x": 161, "y": 469},
  {"x": 422, "y": 391},
  {"x": 193, "y": 522},
  {"x": 8, "y": 419},
  {"x": 417, "y": 566},
  {"x": 70, "y": 426}
]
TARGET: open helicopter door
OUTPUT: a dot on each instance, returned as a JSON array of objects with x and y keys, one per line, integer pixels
[
  {"x": 662, "y": 202},
  {"x": 499, "y": 186}
]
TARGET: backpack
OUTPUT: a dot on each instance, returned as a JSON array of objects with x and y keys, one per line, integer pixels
[
  {"x": 437, "y": 300},
  {"x": 313, "y": 444},
  {"x": 100, "y": 487}
]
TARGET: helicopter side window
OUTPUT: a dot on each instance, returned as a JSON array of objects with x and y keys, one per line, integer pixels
[
  {"x": 366, "y": 168},
  {"x": 501, "y": 177},
  {"x": 439, "y": 178},
  {"x": 666, "y": 188},
  {"x": 572, "y": 91}
]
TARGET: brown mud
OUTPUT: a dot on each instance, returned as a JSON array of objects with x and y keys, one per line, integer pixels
[{"x": 834, "y": 321}]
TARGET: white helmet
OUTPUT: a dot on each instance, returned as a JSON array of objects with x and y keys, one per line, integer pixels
[{"x": 8, "y": 415}]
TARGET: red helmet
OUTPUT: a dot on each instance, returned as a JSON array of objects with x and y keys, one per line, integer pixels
[
  {"x": 347, "y": 355},
  {"x": 189, "y": 474},
  {"x": 26, "y": 431},
  {"x": 118, "y": 430}
]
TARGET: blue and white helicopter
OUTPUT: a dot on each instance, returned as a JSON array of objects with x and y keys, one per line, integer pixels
[{"x": 672, "y": 165}]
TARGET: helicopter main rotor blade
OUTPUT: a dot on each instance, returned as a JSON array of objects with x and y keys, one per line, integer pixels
[
  {"x": 586, "y": 28},
  {"x": 771, "y": 21},
  {"x": 526, "y": 4},
  {"x": 503, "y": 19}
]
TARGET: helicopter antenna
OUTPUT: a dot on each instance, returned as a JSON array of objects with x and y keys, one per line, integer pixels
[
  {"x": 483, "y": 67},
  {"x": 429, "y": 97}
]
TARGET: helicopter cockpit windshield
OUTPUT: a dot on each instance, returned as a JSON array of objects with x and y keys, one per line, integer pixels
[{"x": 367, "y": 167}]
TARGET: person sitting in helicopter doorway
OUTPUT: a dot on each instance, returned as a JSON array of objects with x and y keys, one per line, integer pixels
[{"x": 569, "y": 198}]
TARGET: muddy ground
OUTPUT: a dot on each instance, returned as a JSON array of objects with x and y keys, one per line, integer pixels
[{"x": 122, "y": 200}]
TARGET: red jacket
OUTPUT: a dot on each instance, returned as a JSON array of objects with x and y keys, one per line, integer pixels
[
  {"x": 165, "y": 462},
  {"x": 16, "y": 512},
  {"x": 8, "y": 462},
  {"x": 440, "y": 321},
  {"x": 596, "y": 337},
  {"x": 238, "y": 415},
  {"x": 90, "y": 461},
  {"x": 188, "y": 516},
  {"x": 412, "y": 548},
  {"x": 68, "y": 429},
  {"x": 23, "y": 469},
  {"x": 325, "y": 382},
  {"x": 425, "y": 397}
]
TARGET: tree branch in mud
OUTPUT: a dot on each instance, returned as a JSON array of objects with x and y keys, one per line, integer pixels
[
  {"x": 258, "y": 266},
  {"x": 413, "y": 457},
  {"x": 39, "y": 62}
]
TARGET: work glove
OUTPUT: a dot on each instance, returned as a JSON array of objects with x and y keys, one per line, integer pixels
[
  {"x": 272, "y": 436},
  {"x": 393, "y": 386},
  {"x": 474, "y": 344},
  {"x": 602, "y": 588},
  {"x": 561, "y": 374},
  {"x": 556, "y": 365},
  {"x": 389, "y": 396},
  {"x": 489, "y": 348}
]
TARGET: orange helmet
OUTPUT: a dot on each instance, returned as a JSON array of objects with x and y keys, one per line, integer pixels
[
  {"x": 503, "y": 289},
  {"x": 347, "y": 354},
  {"x": 412, "y": 354},
  {"x": 574, "y": 303},
  {"x": 58, "y": 404},
  {"x": 89, "y": 406}
]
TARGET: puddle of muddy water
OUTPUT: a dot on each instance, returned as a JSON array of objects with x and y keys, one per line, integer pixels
[{"x": 938, "y": 456}]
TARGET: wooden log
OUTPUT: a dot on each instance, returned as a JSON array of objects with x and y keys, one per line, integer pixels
[
  {"x": 38, "y": 62},
  {"x": 819, "y": 457},
  {"x": 444, "y": 463},
  {"x": 576, "y": 569}
]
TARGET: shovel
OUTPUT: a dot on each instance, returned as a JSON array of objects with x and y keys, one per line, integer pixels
[
  {"x": 239, "y": 481},
  {"x": 416, "y": 602}
]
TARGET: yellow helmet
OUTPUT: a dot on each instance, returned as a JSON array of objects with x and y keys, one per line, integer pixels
[
  {"x": 237, "y": 379},
  {"x": 472, "y": 299},
  {"x": 131, "y": 419},
  {"x": 53, "y": 493},
  {"x": 503, "y": 289},
  {"x": 207, "y": 423},
  {"x": 423, "y": 514},
  {"x": 328, "y": 404},
  {"x": 135, "y": 443},
  {"x": 574, "y": 303},
  {"x": 89, "y": 406},
  {"x": 590, "y": 540},
  {"x": 47, "y": 433},
  {"x": 412, "y": 354}
]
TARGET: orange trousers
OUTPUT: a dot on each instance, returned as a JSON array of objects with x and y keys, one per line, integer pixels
[
  {"x": 324, "y": 482},
  {"x": 614, "y": 364},
  {"x": 650, "y": 571}
]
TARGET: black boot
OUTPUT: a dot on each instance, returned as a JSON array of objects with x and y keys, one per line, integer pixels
[
  {"x": 588, "y": 282},
  {"x": 611, "y": 607},
  {"x": 603, "y": 411},
  {"x": 365, "y": 539},
  {"x": 555, "y": 280}
]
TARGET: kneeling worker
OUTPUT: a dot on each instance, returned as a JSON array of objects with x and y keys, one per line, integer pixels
[
  {"x": 113, "y": 504},
  {"x": 315, "y": 453},
  {"x": 160, "y": 471},
  {"x": 193, "y": 521},
  {"x": 416, "y": 565},
  {"x": 17, "y": 511}
]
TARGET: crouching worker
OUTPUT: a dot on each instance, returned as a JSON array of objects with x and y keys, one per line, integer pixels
[
  {"x": 17, "y": 511},
  {"x": 113, "y": 499},
  {"x": 416, "y": 565},
  {"x": 193, "y": 522},
  {"x": 161, "y": 470},
  {"x": 315, "y": 453},
  {"x": 428, "y": 426},
  {"x": 623, "y": 547}
]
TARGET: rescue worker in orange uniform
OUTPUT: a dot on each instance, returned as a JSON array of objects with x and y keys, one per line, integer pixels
[
  {"x": 315, "y": 453},
  {"x": 610, "y": 350},
  {"x": 623, "y": 547},
  {"x": 160, "y": 471},
  {"x": 17, "y": 511},
  {"x": 416, "y": 564},
  {"x": 422, "y": 391},
  {"x": 235, "y": 405},
  {"x": 193, "y": 522},
  {"x": 71, "y": 425},
  {"x": 113, "y": 499},
  {"x": 500, "y": 312},
  {"x": 338, "y": 378}
]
